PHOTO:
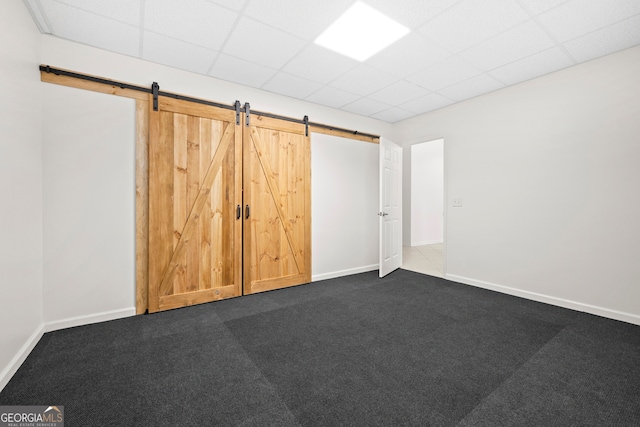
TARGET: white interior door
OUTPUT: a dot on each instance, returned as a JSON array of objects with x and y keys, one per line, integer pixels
[{"x": 390, "y": 207}]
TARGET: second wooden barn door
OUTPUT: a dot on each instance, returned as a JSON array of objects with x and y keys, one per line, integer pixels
[
  {"x": 195, "y": 192},
  {"x": 277, "y": 196}
]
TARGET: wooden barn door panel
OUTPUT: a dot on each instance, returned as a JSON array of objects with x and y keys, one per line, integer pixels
[
  {"x": 195, "y": 185},
  {"x": 277, "y": 178}
]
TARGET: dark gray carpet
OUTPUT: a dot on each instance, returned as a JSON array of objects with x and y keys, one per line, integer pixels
[{"x": 408, "y": 349}]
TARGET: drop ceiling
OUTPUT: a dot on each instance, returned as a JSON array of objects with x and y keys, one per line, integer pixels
[{"x": 456, "y": 49}]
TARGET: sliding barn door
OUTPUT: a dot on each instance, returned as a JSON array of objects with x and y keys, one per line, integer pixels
[
  {"x": 195, "y": 191},
  {"x": 277, "y": 196}
]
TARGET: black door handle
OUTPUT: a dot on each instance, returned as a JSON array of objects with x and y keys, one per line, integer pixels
[
  {"x": 238, "y": 212},
  {"x": 247, "y": 211}
]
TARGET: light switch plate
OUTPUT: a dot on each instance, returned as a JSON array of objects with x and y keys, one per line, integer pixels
[{"x": 457, "y": 202}]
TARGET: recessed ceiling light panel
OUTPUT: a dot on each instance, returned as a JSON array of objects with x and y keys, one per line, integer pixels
[{"x": 361, "y": 32}]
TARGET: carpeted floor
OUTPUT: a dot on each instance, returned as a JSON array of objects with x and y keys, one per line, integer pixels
[{"x": 408, "y": 349}]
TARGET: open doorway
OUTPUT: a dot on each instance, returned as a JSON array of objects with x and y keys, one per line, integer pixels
[{"x": 424, "y": 252}]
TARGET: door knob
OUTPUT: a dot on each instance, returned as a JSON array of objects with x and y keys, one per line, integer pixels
[{"x": 382, "y": 214}]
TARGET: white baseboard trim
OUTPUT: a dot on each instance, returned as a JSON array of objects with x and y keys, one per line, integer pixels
[
  {"x": 89, "y": 319},
  {"x": 28, "y": 346},
  {"x": 426, "y": 242},
  {"x": 334, "y": 274},
  {"x": 20, "y": 356},
  {"x": 548, "y": 299}
]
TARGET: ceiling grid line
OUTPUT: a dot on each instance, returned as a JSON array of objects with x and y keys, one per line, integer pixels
[
  {"x": 597, "y": 30},
  {"x": 535, "y": 19},
  {"x": 224, "y": 42},
  {"x": 74, "y": 6}
]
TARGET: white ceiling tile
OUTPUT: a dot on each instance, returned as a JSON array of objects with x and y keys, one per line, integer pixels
[
  {"x": 579, "y": 17},
  {"x": 411, "y": 13},
  {"x": 84, "y": 27},
  {"x": 194, "y": 21},
  {"x": 393, "y": 115},
  {"x": 305, "y": 19},
  {"x": 127, "y": 11},
  {"x": 472, "y": 21},
  {"x": 238, "y": 70},
  {"x": 362, "y": 80},
  {"x": 331, "y": 97},
  {"x": 236, "y": 5},
  {"x": 366, "y": 107},
  {"x": 516, "y": 43},
  {"x": 605, "y": 41},
  {"x": 446, "y": 73},
  {"x": 262, "y": 44},
  {"x": 176, "y": 53},
  {"x": 430, "y": 102},
  {"x": 536, "y": 7},
  {"x": 475, "y": 86},
  {"x": 399, "y": 93},
  {"x": 319, "y": 64},
  {"x": 407, "y": 56},
  {"x": 533, "y": 66},
  {"x": 291, "y": 85}
]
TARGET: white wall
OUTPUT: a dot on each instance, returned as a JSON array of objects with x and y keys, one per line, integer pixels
[
  {"x": 89, "y": 206},
  {"x": 20, "y": 188},
  {"x": 344, "y": 203},
  {"x": 548, "y": 172},
  {"x": 427, "y": 192}
]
